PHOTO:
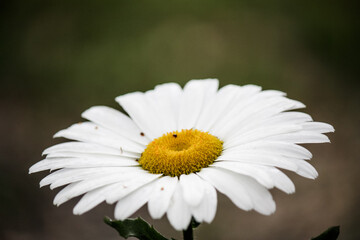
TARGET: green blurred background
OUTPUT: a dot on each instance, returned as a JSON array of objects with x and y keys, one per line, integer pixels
[{"x": 58, "y": 58}]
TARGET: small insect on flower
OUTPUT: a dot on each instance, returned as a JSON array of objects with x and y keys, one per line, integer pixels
[{"x": 192, "y": 142}]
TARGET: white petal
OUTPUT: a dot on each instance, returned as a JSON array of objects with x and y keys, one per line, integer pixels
[
  {"x": 267, "y": 176},
  {"x": 85, "y": 174},
  {"x": 93, "y": 198},
  {"x": 260, "y": 134},
  {"x": 124, "y": 154},
  {"x": 243, "y": 94},
  {"x": 300, "y": 137},
  {"x": 274, "y": 148},
  {"x": 225, "y": 101},
  {"x": 281, "y": 162},
  {"x": 229, "y": 185},
  {"x": 82, "y": 147},
  {"x": 258, "y": 172},
  {"x": 179, "y": 214},
  {"x": 165, "y": 100},
  {"x": 299, "y": 166},
  {"x": 70, "y": 175},
  {"x": 130, "y": 185},
  {"x": 192, "y": 188},
  {"x": 260, "y": 196},
  {"x": 217, "y": 106},
  {"x": 160, "y": 197},
  {"x": 257, "y": 110},
  {"x": 273, "y": 93},
  {"x": 318, "y": 127},
  {"x": 195, "y": 95},
  {"x": 251, "y": 109},
  {"x": 54, "y": 164},
  {"x": 155, "y": 111},
  {"x": 133, "y": 201},
  {"x": 267, "y": 118},
  {"x": 206, "y": 210},
  {"x": 91, "y": 133},
  {"x": 249, "y": 193},
  {"x": 115, "y": 121},
  {"x": 288, "y": 117},
  {"x": 305, "y": 169},
  {"x": 282, "y": 181},
  {"x": 143, "y": 114},
  {"x": 79, "y": 188}
]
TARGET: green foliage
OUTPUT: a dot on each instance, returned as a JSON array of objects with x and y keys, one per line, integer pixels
[
  {"x": 135, "y": 228},
  {"x": 194, "y": 223},
  {"x": 330, "y": 234}
]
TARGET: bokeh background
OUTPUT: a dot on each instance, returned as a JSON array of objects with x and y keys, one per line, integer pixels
[{"x": 58, "y": 58}]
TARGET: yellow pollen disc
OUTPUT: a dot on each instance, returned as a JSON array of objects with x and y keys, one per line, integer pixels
[{"x": 182, "y": 152}]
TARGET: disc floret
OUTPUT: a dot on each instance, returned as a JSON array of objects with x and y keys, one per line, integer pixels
[{"x": 181, "y": 152}]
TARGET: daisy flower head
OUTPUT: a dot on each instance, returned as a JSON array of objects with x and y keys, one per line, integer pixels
[{"x": 176, "y": 147}]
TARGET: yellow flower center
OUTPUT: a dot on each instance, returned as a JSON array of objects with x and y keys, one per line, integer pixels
[{"x": 183, "y": 152}]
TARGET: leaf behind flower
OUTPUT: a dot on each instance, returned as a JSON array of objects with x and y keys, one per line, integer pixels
[
  {"x": 330, "y": 234},
  {"x": 135, "y": 228}
]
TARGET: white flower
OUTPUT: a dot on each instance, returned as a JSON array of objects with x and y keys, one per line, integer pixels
[{"x": 178, "y": 145}]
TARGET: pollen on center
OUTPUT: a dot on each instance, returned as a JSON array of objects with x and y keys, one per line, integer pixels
[{"x": 181, "y": 152}]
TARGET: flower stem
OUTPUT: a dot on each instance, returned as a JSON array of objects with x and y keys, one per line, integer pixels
[{"x": 188, "y": 233}]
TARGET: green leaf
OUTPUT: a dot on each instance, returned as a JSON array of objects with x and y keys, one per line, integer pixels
[
  {"x": 330, "y": 234},
  {"x": 135, "y": 228},
  {"x": 194, "y": 223}
]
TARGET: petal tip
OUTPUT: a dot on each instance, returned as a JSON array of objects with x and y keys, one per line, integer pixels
[
  {"x": 58, "y": 134},
  {"x": 76, "y": 211}
]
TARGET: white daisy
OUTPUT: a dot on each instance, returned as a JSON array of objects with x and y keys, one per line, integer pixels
[{"x": 178, "y": 146}]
